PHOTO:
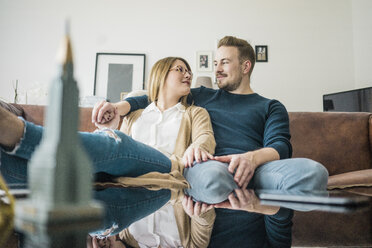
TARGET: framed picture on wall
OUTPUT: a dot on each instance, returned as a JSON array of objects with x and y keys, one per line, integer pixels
[
  {"x": 261, "y": 53},
  {"x": 204, "y": 61},
  {"x": 118, "y": 72}
]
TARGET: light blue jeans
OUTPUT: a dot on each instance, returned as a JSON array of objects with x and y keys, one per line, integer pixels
[
  {"x": 247, "y": 230},
  {"x": 243, "y": 229},
  {"x": 210, "y": 182}
]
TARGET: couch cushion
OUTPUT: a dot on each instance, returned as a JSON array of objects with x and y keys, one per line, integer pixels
[
  {"x": 35, "y": 114},
  {"x": 340, "y": 141}
]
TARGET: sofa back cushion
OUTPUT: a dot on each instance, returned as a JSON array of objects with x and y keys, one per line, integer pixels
[
  {"x": 340, "y": 141},
  {"x": 35, "y": 114}
]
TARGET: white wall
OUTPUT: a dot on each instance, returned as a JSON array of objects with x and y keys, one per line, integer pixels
[
  {"x": 362, "y": 34},
  {"x": 310, "y": 42}
]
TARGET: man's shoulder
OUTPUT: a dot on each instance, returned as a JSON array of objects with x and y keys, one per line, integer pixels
[
  {"x": 268, "y": 101},
  {"x": 200, "y": 91},
  {"x": 262, "y": 98},
  {"x": 194, "y": 110}
]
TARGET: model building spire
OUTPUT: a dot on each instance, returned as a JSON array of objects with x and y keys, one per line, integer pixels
[
  {"x": 64, "y": 55},
  {"x": 60, "y": 173}
]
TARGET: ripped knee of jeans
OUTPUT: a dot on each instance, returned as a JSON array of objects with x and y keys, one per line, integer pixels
[
  {"x": 110, "y": 133},
  {"x": 107, "y": 232}
]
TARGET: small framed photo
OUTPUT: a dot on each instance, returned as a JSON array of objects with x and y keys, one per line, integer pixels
[
  {"x": 204, "y": 61},
  {"x": 118, "y": 72},
  {"x": 261, "y": 53}
]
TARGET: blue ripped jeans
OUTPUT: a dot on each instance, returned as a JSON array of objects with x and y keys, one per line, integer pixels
[
  {"x": 116, "y": 156},
  {"x": 122, "y": 156}
]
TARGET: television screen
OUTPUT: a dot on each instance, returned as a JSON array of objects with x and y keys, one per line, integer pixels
[{"x": 359, "y": 100}]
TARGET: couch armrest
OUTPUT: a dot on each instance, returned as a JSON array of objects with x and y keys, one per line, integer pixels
[{"x": 351, "y": 179}]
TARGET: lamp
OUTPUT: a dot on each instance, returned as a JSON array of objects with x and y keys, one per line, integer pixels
[{"x": 203, "y": 81}]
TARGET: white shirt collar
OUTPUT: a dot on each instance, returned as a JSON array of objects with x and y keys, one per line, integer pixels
[{"x": 152, "y": 107}]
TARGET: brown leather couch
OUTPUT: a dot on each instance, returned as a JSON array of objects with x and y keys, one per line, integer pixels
[{"x": 342, "y": 142}]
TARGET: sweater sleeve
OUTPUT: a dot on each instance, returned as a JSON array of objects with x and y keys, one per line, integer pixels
[
  {"x": 195, "y": 232},
  {"x": 201, "y": 131},
  {"x": 137, "y": 102},
  {"x": 201, "y": 229},
  {"x": 141, "y": 102},
  {"x": 128, "y": 238},
  {"x": 276, "y": 133}
]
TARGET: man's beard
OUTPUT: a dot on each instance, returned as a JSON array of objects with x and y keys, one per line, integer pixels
[{"x": 230, "y": 86}]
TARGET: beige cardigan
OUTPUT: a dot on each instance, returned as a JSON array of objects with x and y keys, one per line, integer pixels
[{"x": 195, "y": 130}]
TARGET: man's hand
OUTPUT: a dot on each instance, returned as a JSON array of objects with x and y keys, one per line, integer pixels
[
  {"x": 111, "y": 120},
  {"x": 194, "y": 209},
  {"x": 103, "y": 112},
  {"x": 195, "y": 154},
  {"x": 243, "y": 165},
  {"x": 246, "y": 200}
]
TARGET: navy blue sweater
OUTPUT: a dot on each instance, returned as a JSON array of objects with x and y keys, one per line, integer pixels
[{"x": 241, "y": 123}]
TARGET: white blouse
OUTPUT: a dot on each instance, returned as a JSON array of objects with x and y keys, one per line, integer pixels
[{"x": 159, "y": 130}]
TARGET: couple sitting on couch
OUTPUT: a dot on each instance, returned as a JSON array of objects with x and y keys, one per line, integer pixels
[{"x": 252, "y": 137}]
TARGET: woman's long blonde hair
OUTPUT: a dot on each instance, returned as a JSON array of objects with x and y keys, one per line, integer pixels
[{"x": 158, "y": 75}]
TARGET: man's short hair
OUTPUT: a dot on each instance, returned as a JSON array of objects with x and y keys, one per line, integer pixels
[{"x": 246, "y": 51}]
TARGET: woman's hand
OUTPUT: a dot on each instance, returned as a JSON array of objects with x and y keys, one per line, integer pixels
[
  {"x": 103, "y": 112},
  {"x": 194, "y": 209},
  {"x": 195, "y": 154}
]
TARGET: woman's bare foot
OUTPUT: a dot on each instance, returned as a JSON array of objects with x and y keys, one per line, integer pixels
[{"x": 11, "y": 129}]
